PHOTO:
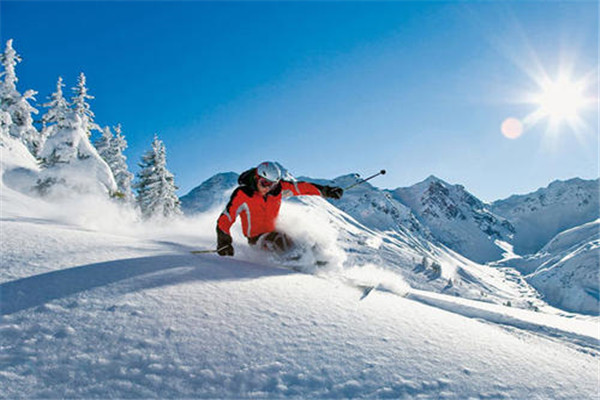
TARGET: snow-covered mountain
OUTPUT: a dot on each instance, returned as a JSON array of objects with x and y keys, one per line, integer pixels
[
  {"x": 214, "y": 192},
  {"x": 457, "y": 218},
  {"x": 539, "y": 216},
  {"x": 567, "y": 270},
  {"x": 123, "y": 310},
  {"x": 374, "y": 208}
]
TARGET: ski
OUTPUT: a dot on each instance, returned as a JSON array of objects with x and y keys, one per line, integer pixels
[{"x": 366, "y": 291}]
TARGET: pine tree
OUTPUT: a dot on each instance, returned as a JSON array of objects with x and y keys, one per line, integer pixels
[
  {"x": 111, "y": 150},
  {"x": 81, "y": 106},
  {"x": 10, "y": 59},
  {"x": 70, "y": 161},
  {"x": 58, "y": 108},
  {"x": 57, "y": 116},
  {"x": 15, "y": 104},
  {"x": 103, "y": 145},
  {"x": 123, "y": 177},
  {"x": 156, "y": 186}
]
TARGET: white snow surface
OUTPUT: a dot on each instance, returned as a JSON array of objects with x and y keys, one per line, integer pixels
[
  {"x": 94, "y": 304},
  {"x": 567, "y": 270}
]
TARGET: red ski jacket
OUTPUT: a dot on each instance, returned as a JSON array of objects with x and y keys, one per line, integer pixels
[{"x": 258, "y": 213}]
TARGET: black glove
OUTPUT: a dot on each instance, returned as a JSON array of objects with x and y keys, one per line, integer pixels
[
  {"x": 224, "y": 247},
  {"x": 332, "y": 192}
]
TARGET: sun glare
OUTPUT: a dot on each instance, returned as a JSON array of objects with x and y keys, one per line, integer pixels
[{"x": 561, "y": 100}]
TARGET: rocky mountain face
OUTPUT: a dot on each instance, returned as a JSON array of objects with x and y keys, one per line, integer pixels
[{"x": 457, "y": 218}]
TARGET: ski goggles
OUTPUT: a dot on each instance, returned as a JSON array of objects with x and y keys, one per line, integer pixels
[{"x": 267, "y": 184}]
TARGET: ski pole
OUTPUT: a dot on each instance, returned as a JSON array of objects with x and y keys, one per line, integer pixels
[
  {"x": 382, "y": 172},
  {"x": 207, "y": 251}
]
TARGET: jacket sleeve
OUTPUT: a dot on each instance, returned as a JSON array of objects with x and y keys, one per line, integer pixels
[
  {"x": 232, "y": 210},
  {"x": 300, "y": 189}
]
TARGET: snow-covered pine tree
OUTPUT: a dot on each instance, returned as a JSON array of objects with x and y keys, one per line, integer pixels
[
  {"x": 69, "y": 161},
  {"x": 103, "y": 145},
  {"x": 15, "y": 104},
  {"x": 81, "y": 106},
  {"x": 123, "y": 177},
  {"x": 57, "y": 116},
  {"x": 156, "y": 187},
  {"x": 111, "y": 150}
]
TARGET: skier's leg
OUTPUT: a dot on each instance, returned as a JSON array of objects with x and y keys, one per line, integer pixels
[
  {"x": 273, "y": 241},
  {"x": 282, "y": 242}
]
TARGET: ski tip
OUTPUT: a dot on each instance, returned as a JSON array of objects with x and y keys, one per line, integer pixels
[{"x": 366, "y": 291}]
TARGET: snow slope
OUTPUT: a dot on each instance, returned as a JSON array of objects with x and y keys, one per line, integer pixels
[
  {"x": 93, "y": 309},
  {"x": 566, "y": 270},
  {"x": 154, "y": 321}
]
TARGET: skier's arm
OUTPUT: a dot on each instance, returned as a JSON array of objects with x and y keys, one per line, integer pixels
[
  {"x": 299, "y": 188},
  {"x": 306, "y": 188},
  {"x": 229, "y": 215},
  {"x": 226, "y": 219}
]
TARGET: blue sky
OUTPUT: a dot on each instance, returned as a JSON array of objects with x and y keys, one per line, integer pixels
[{"x": 325, "y": 88}]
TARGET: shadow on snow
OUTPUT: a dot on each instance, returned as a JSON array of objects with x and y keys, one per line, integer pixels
[{"x": 134, "y": 274}]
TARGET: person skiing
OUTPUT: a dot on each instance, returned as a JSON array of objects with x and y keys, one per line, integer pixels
[{"x": 257, "y": 200}]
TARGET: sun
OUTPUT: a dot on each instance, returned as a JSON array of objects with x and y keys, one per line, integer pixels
[{"x": 559, "y": 101}]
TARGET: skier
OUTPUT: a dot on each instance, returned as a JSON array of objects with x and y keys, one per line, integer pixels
[{"x": 257, "y": 200}]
